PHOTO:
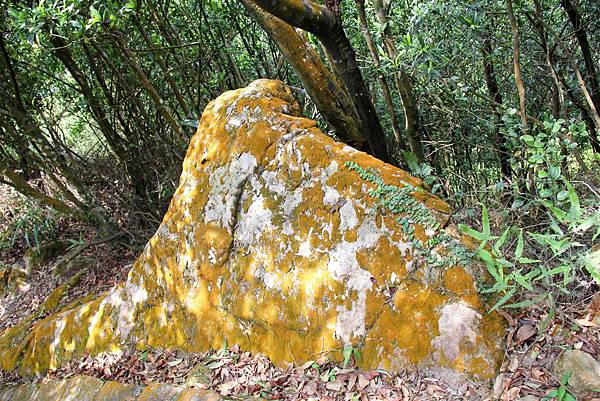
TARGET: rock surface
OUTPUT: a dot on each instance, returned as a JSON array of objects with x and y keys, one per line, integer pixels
[
  {"x": 43, "y": 253},
  {"x": 272, "y": 242},
  {"x": 86, "y": 388},
  {"x": 12, "y": 280},
  {"x": 585, "y": 372}
]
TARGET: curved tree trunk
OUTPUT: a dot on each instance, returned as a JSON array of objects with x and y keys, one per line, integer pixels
[
  {"x": 326, "y": 25},
  {"x": 332, "y": 101}
]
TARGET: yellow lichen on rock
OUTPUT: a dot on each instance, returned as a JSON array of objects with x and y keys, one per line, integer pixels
[{"x": 272, "y": 243}]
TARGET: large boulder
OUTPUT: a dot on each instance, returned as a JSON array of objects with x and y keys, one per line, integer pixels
[{"x": 275, "y": 241}]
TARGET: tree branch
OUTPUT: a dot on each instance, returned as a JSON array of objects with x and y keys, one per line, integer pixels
[{"x": 303, "y": 14}]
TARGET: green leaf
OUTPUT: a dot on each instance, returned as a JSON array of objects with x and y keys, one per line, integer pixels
[
  {"x": 591, "y": 262},
  {"x": 565, "y": 379},
  {"x": 501, "y": 241},
  {"x": 554, "y": 172},
  {"x": 560, "y": 214},
  {"x": 556, "y": 127},
  {"x": 519, "y": 249},
  {"x": 347, "y": 354},
  {"x": 575, "y": 210},
  {"x": 504, "y": 299},
  {"x": 536, "y": 159},
  {"x": 521, "y": 280},
  {"x": 517, "y": 204},
  {"x": 562, "y": 390},
  {"x": 357, "y": 356},
  {"x": 471, "y": 232},
  {"x": 488, "y": 260},
  {"x": 527, "y": 261},
  {"x": 14, "y": 13},
  {"x": 553, "y": 272},
  {"x": 95, "y": 14},
  {"x": 588, "y": 223},
  {"x": 562, "y": 195},
  {"x": 554, "y": 226},
  {"x": 525, "y": 304},
  {"x": 528, "y": 139}
]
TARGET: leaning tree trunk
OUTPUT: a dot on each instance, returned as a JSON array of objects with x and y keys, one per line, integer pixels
[
  {"x": 332, "y": 101},
  {"x": 387, "y": 97},
  {"x": 326, "y": 25},
  {"x": 23, "y": 187},
  {"x": 593, "y": 95}
]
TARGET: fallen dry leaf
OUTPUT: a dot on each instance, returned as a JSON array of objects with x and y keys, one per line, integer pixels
[
  {"x": 336, "y": 385},
  {"x": 362, "y": 382},
  {"x": 525, "y": 332},
  {"x": 585, "y": 323},
  {"x": 311, "y": 387}
]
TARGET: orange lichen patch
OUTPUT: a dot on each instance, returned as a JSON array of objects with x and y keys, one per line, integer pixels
[
  {"x": 12, "y": 344},
  {"x": 59, "y": 292},
  {"x": 272, "y": 243},
  {"x": 492, "y": 332},
  {"x": 382, "y": 261},
  {"x": 458, "y": 281},
  {"x": 403, "y": 333},
  {"x": 419, "y": 305}
]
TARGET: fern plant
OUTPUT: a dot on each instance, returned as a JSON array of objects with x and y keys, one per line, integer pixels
[{"x": 564, "y": 245}]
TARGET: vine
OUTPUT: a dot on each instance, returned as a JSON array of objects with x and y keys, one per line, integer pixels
[{"x": 399, "y": 200}]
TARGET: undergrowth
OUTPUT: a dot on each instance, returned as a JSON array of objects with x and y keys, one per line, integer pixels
[
  {"x": 529, "y": 264},
  {"x": 546, "y": 260}
]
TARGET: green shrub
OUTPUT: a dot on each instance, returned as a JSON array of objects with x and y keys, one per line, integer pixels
[
  {"x": 561, "y": 243},
  {"x": 34, "y": 225}
]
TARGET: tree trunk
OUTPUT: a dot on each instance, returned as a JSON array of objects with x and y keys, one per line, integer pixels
[
  {"x": 593, "y": 95},
  {"x": 160, "y": 104},
  {"x": 332, "y": 101},
  {"x": 166, "y": 73},
  {"x": 133, "y": 169},
  {"x": 404, "y": 85},
  {"x": 387, "y": 97},
  {"x": 494, "y": 92},
  {"x": 514, "y": 27},
  {"x": 326, "y": 25},
  {"x": 584, "y": 46},
  {"x": 21, "y": 186}
]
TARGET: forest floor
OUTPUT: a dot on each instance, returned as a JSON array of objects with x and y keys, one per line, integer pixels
[{"x": 533, "y": 342}]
